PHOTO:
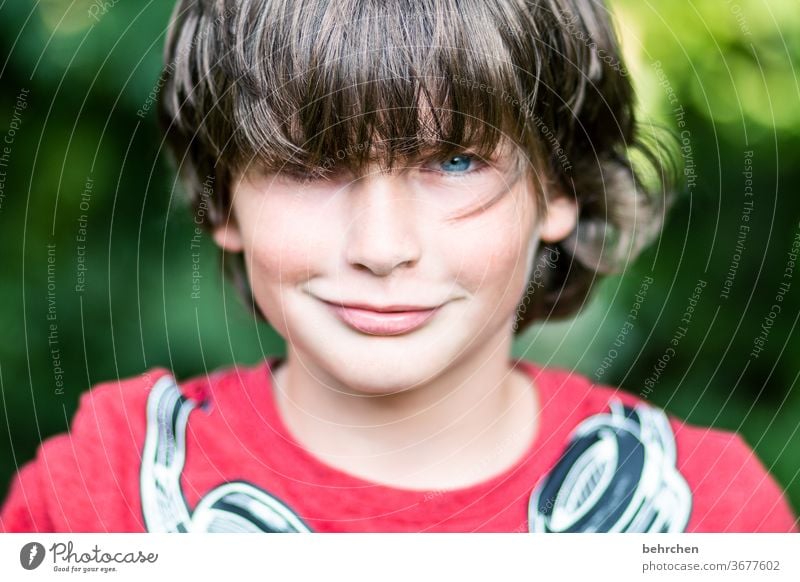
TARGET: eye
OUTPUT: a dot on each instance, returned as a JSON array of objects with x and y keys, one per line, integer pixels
[{"x": 463, "y": 164}]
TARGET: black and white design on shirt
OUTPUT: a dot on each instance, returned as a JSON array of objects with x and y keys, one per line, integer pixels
[
  {"x": 235, "y": 506},
  {"x": 617, "y": 474}
]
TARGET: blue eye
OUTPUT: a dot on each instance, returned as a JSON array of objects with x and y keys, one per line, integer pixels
[
  {"x": 457, "y": 164},
  {"x": 460, "y": 165}
]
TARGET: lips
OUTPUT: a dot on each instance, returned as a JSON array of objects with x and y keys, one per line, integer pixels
[{"x": 383, "y": 320}]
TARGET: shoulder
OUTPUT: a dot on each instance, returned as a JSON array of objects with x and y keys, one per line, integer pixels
[
  {"x": 75, "y": 472},
  {"x": 87, "y": 478},
  {"x": 129, "y": 397},
  {"x": 729, "y": 487},
  {"x": 733, "y": 490},
  {"x": 89, "y": 474},
  {"x": 117, "y": 398}
]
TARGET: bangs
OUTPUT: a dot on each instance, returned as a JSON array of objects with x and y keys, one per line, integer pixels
[{"x": 307, "y": 85}]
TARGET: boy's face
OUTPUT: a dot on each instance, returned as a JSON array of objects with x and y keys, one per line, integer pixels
[{"x": 449, "y": 243}]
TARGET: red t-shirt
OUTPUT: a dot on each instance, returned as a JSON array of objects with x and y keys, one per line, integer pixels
[{"x": 212, "y": 454}]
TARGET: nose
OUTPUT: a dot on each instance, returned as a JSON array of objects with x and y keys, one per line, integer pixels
[{"x": 382, "y": 232}]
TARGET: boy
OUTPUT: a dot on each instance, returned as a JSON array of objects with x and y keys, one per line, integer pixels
[{"x": 398, "y": 188}]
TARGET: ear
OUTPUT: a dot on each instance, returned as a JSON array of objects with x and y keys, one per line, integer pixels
[
  {"x": 228, "y": 237},
  {"x": 560, "y": 218}
]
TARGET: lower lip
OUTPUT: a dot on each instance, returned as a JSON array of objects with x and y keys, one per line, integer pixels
[{"x": 382, "y": 323}]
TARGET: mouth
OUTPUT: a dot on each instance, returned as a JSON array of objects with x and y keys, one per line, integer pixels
[{"x": 382, "y": 320}]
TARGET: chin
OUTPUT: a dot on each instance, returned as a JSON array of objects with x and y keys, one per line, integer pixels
[{"x": 384, "y": 370}]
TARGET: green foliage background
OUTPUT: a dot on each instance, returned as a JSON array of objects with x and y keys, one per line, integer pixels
[{"x": 89, "y": 67}]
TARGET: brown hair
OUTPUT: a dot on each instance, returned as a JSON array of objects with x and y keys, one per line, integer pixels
[{"x": 290, "y": 84}]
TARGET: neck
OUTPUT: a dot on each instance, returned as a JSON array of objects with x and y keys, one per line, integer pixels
[{"x": 473, "y": 421}]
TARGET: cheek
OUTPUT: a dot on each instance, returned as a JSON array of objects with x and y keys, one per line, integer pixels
[
  {"x": 496, "y": 254},
  {"x": 282, "y": 240}
]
